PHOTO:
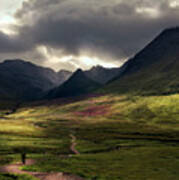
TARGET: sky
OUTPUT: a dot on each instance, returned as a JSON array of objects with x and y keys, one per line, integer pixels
[{"x": 71, "y": 34}]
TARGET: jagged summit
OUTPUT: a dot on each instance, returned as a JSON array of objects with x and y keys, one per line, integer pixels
[
  {"x": 78, "y": 72},
  {"x": 24, "y": 80},
  {"x": 102, "y": 75},
  {"x": 77, "y": 84}
]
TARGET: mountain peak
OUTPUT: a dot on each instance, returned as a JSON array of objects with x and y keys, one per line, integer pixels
[
  {"x": 101, "y": 74},
  {"x": 64, "y": 71},
  {"x": 16, "y": 61},
  {"x": 169, "y": 35},
  {"x": 97, "y": 67},
  {"x": 19, "y": 63},
  {"x": 171, "y": 30},
  {"x": 77, "y": 84},
  {"x": 78, "y": 72}
]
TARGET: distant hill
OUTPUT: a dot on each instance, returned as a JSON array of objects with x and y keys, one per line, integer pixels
[
  {"x": 23, "y": 80},
  {"x": 63, "y": 75},
  {"x": 154, "y": 70},
  {"x": 102, "y": 75},
  {"x": 77, "y": 84}
]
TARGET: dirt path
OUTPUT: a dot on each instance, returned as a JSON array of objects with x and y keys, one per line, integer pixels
[
  {"x": 73, "y": 144},
  {"x": 15, "y": 169}
]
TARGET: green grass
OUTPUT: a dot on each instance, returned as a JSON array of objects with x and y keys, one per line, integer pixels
[
  {"x": 154, "y": 76},
  {"x": 135, "y": 137},
  {"x": 136, "y": 163},
  {"x": 15, "y": 177}
]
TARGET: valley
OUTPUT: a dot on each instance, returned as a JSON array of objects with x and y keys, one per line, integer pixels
[
  {"x": 100, "y": 124},
  {"x": 127, "y": 140},
  {"x": 89, "y": 90}
]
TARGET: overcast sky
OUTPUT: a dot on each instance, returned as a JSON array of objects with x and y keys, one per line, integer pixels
[{"x": 68, "y": 34}]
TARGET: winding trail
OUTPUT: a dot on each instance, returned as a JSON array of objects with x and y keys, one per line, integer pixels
[
  {"x": 73, "y": 144},
  {"x": 16, "y": 168}
]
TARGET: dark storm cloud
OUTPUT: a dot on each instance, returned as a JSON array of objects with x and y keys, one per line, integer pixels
[
  {"x": 12, "y": 43},
  {"x": 74, "y": 25},
  {"x": 115, "y": 28}
]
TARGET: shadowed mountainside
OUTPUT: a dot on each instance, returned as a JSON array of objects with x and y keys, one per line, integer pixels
[
  {"x": 24, "y": 80},
  {"x": 77, "y": 84},
  {"x": 63, "y": 75},
  {"x": 102, "y": 75},
  {"x": 154, "y": 70}
]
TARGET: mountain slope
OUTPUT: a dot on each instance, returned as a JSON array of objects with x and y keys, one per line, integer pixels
[
  {"x": 102, "y": 75},
  {"x": 63, "y": 75},
  {"x": 77, "y": 84},
  {"x": 154, "y": 70},
  {"x": 23, "y": 80}
]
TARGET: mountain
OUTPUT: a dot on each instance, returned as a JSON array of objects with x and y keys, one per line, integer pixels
[
  {"x": 63, "y": 75},
  {"x": 154, "y": 70},
  {"x": 23, "y": 80},
  {"x": 102, "y": 75},
  {"x": 77, "y": 84}
]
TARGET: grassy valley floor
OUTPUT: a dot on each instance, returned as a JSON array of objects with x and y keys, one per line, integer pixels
[{"x": 118, "y": 137}]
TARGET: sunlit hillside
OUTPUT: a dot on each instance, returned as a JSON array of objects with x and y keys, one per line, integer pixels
[{"x": 118, "y": 137}]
